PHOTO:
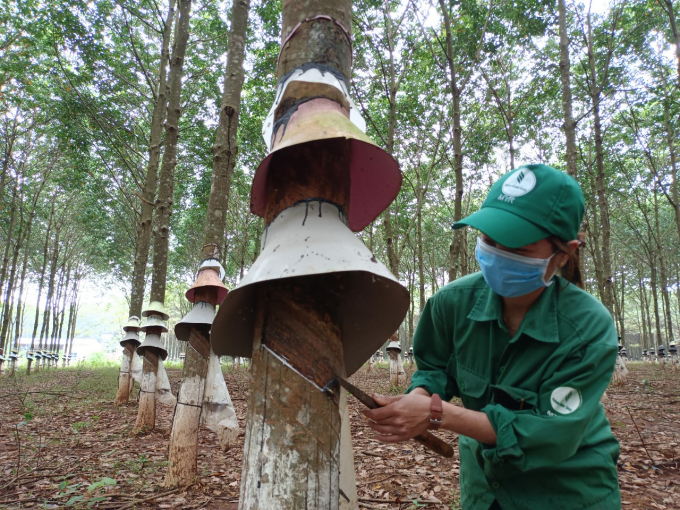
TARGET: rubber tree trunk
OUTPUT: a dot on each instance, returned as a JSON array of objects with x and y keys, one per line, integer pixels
[
  {"x": 10, "y": 234},
  {"x": 164, "y": 206},
  {"x": 146, "y": 415},
  {"x": 143, "y": 241},
  {"x": 597, "y": 84},
  {"x": 457, "y": 266},
  {"x": 292, "y": 445},
  {"x": 569, "y": 125},
  {"x": 397, "y": 373},
  {"x": 125, "y": 376},
  {"x": 183, "y": 452},
  {"x": 41, "y": 282}
]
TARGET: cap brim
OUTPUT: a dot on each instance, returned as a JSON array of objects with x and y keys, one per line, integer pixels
[{"x": 504, "y": 227}]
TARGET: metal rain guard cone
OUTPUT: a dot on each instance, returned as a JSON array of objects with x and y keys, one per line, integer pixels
[
  {"x": 213, "y": 264},
  {"x": 153, "y": 341},
  {"x": 155, "y": 308},
  {"x": 133, "y": 323},
  {"x": 203, "y": 313},
  {"x": 130, "y": 336},
  {"x": 394, "y": 346},
  {"x": 374, "y": 174},
  {"x": 312, "y": 239},
  {"x": 207, "y": 278},
  {"x": 154, "y": 321}
]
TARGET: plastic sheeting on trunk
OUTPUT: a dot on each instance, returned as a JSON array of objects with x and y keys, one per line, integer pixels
[
  {"x": 163, "y": 391},
  {"x": 218, "y": 411},
  {"x": 136, "y": 370}
]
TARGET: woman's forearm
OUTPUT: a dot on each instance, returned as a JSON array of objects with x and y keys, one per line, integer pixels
[{"x": 473, "y": 424}]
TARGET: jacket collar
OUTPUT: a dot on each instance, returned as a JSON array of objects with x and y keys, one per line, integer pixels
[{"x": 540, "y": 321}]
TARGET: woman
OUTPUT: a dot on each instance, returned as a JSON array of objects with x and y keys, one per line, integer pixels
[{"x": 529, "y": 354}]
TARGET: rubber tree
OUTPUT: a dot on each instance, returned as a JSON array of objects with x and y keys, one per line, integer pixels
[
  {"x": 161, "y": 230},
  {"x": 302, "y": 311},
  {"x": 183, "y": 451},
  {"x": 143, "y": 240}
]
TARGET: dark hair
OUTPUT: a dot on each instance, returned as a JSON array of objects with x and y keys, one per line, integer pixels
[{"x": 572, "y": 269}]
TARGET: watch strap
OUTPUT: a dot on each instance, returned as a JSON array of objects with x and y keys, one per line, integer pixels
[{"x": 436, "y": 410}]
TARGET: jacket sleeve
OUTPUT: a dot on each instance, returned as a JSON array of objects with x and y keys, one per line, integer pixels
[
  {"x": 432, "y": 349},
  {"x": 568, "y": 402}
]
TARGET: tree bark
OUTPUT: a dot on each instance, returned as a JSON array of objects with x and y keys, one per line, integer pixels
[
  {"x": 569, "y": 125},
  {"x": 167, "y": 173},
  {"x": 596, "y": 96},
  {"x": 225, "y": 148},
  {"x": 146, "y": 416},
  {"x": 41, "y": 281},
  {"x": 295, "y": 423},
  {"x": 10, "y": 232},
  {"x": 50, "y": 290},
  {"x": 147, "y": 412},
  {"x": 143, "y": 241}
]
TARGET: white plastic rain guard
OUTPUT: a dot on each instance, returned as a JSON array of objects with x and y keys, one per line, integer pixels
[
  {"x": 155, "y": 308},
  {"x": 310, "y": 74},
  {"x": 203, "y": 313},
  {"x": 218, "y": 411},
  {"x": 312, "y": 238},
  {"x": 133, "y": 323},
  {"x": 394, "y": 345},
  {"x": 154, "y": 321},
  {"x": 130, "y": 336},
  {"x": 153, "y": 341}
]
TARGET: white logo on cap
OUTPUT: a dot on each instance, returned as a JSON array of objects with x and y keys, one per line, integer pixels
[
  {"x": 565, "y": 400},
  {"x": 519, "y": 183}
]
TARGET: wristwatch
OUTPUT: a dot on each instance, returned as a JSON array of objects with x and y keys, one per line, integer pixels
[{"x": 436, "y": 410}]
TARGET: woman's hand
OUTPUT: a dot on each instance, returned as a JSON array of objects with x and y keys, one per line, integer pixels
[{"x": 401, "y": 418}]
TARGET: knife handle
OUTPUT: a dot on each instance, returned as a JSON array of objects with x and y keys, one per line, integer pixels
[{"x": 432, "y": 442}]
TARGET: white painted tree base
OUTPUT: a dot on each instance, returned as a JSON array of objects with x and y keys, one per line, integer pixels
[
  {"x": 397, "y": 373},
  {"x": 349, "y": 500},
  {"x": 124, "y": 379},
  {"x": 146, "y": 415}
]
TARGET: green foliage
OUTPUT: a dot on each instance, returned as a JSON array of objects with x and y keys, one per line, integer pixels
[{"x": 78, "y": 84}]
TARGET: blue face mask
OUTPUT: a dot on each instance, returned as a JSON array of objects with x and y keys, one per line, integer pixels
[{"x": 509, "y": 274}]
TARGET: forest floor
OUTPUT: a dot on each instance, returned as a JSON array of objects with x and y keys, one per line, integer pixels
[{"x": 63, "y": 444}]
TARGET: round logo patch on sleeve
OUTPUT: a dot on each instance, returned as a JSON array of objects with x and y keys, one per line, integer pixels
[{"x": 565, "y": 400}]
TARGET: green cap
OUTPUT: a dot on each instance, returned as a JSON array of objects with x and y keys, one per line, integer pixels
[{"x": 528, "y": 204}]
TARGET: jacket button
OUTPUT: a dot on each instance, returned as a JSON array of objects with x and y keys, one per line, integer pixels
[
  {"x": 462, "y": 386},
  {"x": 502, "y": 368},
  {"x": 495, "y": 485}
]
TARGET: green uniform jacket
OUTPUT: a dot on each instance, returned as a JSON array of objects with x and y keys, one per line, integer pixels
[{"x": 540, "y": 389}]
